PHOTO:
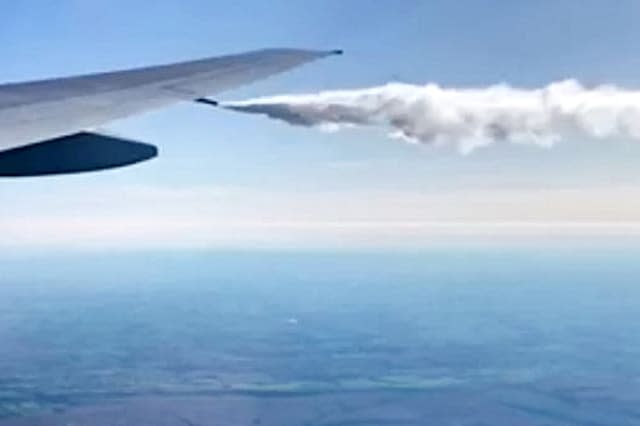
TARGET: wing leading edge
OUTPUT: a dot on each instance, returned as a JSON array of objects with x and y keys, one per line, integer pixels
[{"x": 52, "y": 110}]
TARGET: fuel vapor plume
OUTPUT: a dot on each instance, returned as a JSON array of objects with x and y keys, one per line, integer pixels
[{"x": 466, "y": 118}]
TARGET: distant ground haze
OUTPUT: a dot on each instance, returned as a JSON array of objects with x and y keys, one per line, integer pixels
[{"x": 531, "y": 335}]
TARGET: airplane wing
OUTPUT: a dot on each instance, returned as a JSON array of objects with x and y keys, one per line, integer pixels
[{"x": 45, "y": 126}]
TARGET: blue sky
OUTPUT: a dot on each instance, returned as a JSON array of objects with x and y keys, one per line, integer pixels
[{"x": 230, "y": 180}]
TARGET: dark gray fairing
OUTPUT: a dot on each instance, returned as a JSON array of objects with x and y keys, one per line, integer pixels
[{"x": 80, "y": 152}]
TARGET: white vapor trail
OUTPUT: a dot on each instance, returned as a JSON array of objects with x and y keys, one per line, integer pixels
[{"x": 466, "y": 118}]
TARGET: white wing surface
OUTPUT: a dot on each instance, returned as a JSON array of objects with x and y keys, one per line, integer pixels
[{"x": 62, "y": 112}]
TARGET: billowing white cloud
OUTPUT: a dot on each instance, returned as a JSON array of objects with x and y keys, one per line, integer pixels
[{"x": 467, "y": 118}]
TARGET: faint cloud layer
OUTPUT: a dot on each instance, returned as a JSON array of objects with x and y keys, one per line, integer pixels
[
  {"x": 203, "y": 217},
  {"x": 466, "y": 118}
]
